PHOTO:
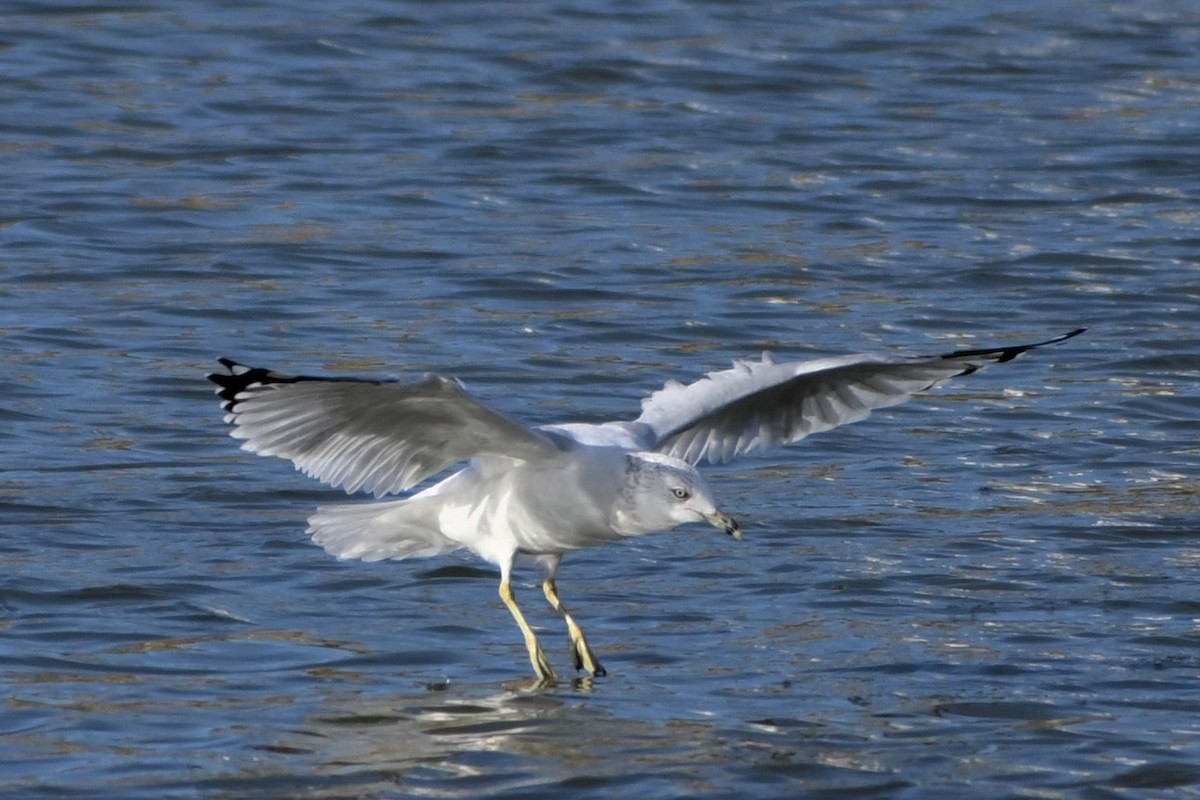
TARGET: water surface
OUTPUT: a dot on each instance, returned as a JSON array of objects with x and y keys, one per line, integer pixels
[{"x": 990, "y": 591}]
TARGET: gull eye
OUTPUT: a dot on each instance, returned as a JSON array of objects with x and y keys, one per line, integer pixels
[{"x": 680, "y": 493}]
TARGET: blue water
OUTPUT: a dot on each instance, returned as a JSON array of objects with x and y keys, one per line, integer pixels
[{"x": 988, "y": 592}]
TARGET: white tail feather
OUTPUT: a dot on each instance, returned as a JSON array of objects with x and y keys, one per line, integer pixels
[{"x": 375, "y": 531}]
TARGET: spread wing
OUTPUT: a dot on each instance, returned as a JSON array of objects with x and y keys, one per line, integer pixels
[
  {"x": 381, "y": 436},
  {"x": 758, "y": 405}
]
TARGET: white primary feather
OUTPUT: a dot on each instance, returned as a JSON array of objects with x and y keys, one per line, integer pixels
[
  {"x": 381, "y": 437},
  {"x": 758, "y": 405}
]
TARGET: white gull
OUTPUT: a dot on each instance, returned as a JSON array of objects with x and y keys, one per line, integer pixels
[{"x": 547, "y": 490}]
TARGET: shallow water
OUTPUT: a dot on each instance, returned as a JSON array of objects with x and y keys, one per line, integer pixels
[{"x": 991, "y": 590}]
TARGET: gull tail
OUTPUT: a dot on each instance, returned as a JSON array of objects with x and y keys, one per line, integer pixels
[{"x": 374, "y": 531}]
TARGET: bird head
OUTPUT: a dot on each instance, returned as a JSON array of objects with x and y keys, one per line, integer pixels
[{"x": 661, "y": 492}]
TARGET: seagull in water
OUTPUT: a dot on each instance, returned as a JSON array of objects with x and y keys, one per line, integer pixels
[{"x": 541, "y": 492}]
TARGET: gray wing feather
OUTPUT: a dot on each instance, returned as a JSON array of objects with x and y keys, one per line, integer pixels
[
  {"x": 381, "y": 437},
  {"x": 759, "y": 405}
]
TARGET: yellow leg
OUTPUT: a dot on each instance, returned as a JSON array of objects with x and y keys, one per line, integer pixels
[
  {"x": 584, "y": 657},
  {"x": 541, "y": 665}
]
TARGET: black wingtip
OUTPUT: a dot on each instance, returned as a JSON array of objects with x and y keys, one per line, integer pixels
[
  {"x": 241, "y": 378},
  {"x": 1002, "y": 354},
  {"x": 230, "y": 384}
]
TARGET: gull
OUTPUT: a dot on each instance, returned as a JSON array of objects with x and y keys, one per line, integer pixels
[{"x": 543, "y": 491}]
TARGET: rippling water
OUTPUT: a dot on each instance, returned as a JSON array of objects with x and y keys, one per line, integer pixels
[{"x": 989, "y": 592}]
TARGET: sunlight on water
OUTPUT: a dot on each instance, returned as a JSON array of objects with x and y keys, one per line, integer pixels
[{"x": 989, "y": 591}]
